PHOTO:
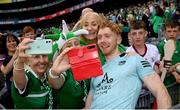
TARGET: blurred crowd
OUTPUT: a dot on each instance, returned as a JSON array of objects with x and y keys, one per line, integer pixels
[{"x": 144, "y": 39}]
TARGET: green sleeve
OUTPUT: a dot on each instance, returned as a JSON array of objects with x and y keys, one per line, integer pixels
[
  {"x": 121, "y": 48},
  {"x": 160, "y": 47}
]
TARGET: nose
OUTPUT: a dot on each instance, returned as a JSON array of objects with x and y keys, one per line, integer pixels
[
  {"x": 101, "y": 40},
  {"x": 41, "y": 58},
  {"x": 89, "y": 27}
]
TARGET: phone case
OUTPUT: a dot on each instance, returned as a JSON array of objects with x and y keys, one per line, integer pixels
[
  {"x": 85, "y": 62},
  {"x": 43, "y": 46}
]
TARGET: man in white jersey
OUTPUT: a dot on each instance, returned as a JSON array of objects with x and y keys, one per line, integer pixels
[
  {"x": 123, "y": 73},
  {"x": 149, "y": 52}
]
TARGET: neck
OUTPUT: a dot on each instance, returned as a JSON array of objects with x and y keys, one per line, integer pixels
[
  {"x": 139, "y": 46},
  {"x": 113, "y": 54},
  {"x": 140, "y": 49},
  {"x": 88, "y": 41}
]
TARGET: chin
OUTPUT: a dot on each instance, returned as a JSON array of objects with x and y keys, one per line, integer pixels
[
  {"x": 105, "y": 52},
  {"x": 90, "y": 37},
  {"x": 42, "y": 71}
]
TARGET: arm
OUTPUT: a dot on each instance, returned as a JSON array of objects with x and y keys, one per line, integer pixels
[
  {"x": 19, "y": 76},
  {"x": 176, "y": 76},
  {"x": 56, "y": 78},
  {"x": 6, "y": 69},
  {"x": 57, "y": 81},
  {"x": 155, "y": 85},
  {"x": 88, "y": 100}
]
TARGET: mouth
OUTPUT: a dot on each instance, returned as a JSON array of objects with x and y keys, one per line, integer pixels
[
  {"x": 42, "y": 66},
  {"x": 104, "y": 46}
]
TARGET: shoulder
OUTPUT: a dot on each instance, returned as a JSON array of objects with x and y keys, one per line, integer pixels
[
  {"x": 129, "y": 49},
  {"x": 151, "y": 47},
  {"x": 131, "y": 53}
]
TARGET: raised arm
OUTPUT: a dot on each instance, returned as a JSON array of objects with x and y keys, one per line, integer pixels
[
  {"x": 6, "y": 69},
  {"x": 61, "y": 64},
  {"x": 155, "y": 85},
  {"x": 19, "y": 76}
]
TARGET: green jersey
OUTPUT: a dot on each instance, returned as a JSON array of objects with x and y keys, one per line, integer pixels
[
  {"x": 176, "y": 55},
  {"x": 71, "y": 94},
  {"x": 37, "y": 93},
  {"x": 175, "y": 59}
]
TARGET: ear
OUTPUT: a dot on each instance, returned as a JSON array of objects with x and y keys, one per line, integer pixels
[
  {"x": 146, "y": 33},
  {"x": 119, "y": 39}
]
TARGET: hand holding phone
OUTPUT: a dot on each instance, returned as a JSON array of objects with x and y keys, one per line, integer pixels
[
  {"x": 85, "y": 62},
  {"x": 40, "y": 47}
]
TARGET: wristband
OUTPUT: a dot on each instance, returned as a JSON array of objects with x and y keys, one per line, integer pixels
[
  {"x": 15, "y": 68},
  {"x": 52, "y": 76},
  {"x": 63, "y": 76}
]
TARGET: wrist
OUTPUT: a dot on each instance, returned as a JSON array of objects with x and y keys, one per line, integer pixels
[
  {"x": 19, "y": 61},
  {"x": 53, "y": 74},
  {"x": 18, "y": 66}
]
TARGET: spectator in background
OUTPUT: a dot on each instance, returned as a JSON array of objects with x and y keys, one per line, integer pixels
[
  {"x": 167, "y": 11},
  {"x": 176, "y": 15},
  {"x": 7, "y": 68},
  {"x": 149, "y": 52},
  {"x": 171, "y": 32},
  {"x": 145, "y": 18},
  {"x": 28, "y": 32},
  {"x": 120, "y": 85},
  {"x": 157, "y": 21}
]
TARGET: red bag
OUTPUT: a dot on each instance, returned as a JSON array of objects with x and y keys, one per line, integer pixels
[{"x": 85, "y": 62}]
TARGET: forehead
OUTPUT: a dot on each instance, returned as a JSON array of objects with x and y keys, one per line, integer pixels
[
  {"x": 72, "y": 40},
  {"x": 90, "y": 18},
  {"x": 172, "y": 28},
  {"x": 31, "y": 32},
  {"x": 137, "y": 30},
  {"x": 10, "y": 38},
  {"x": 105, "y": 30},
  {"x": 38, "y": 56}
]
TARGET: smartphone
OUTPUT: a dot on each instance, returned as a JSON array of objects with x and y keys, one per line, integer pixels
[
  {"x": 85, "y": 62},
  {"x": 40, "y": 47}
]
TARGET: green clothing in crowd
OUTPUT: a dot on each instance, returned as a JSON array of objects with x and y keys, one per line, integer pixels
[
  {"x": 160, "y": 47},
  {"x": 157, "y": 21},
  {"x": 37, "y": 94},
  {"x": 175, "y": 59},
  {"x": 71, "y": 94}
]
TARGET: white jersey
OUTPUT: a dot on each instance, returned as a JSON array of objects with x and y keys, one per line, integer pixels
[{"x": 151, "y": 53}]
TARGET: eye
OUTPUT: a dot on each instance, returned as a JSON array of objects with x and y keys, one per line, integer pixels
[
  {"x": 76, "y": 43},
  {"x": 99, "y": 37},
  {"x": 94, "y": 24},
  {"x": 133, "y": 34},
  {"x": 140, "y": 33},
  {"x": 69, "y": 45}
]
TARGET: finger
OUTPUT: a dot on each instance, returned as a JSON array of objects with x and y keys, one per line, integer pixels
[
  {"x": 64, "y": 52},
  {"x": 65, "y": 68},
  {"x": 26, "y": 41}
]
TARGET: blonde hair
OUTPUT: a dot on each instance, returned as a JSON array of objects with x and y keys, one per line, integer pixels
[
  {"x": 96, "y": 15},
  {"x": 98, "y": 19}
]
